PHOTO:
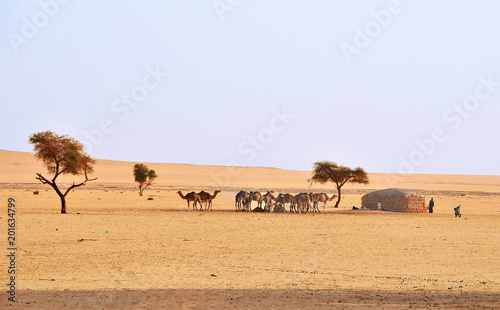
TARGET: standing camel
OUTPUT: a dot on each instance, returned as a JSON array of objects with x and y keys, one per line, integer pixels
[
  {"x": 210, "y": 198},
  {"x": 204, "y": 196},
  {"x": 247, "y": 204},
  {"x": 321, "y": 197},
  {"x": 302, "y": 202},
  {"x": 240, "y": 197},
  {"x": 191, "y": 197},
  {"x": 285, "y": 198},
  {"x": 254, "y": 196},
  {"x": 268, "y": 201}
]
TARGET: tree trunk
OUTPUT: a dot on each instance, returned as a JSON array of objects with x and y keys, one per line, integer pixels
[
  {"x": 61, "y": 196},
  {"x": 338, "y": 198},
  {"x": 63, "y": 204},
  {"x": 140, "y": 190}
]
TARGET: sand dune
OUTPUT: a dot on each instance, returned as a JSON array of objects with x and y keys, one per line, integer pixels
[
  {"x": 115, "y": 249},
  {"x": 20, "y": 167}
]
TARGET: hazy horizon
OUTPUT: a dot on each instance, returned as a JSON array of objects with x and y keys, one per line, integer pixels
[{"x": 389, "y": 86}]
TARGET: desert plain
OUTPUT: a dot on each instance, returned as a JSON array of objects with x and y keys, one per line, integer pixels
[{"x": 117, "y": 250}]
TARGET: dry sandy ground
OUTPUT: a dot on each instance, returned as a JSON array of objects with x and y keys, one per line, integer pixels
[{"x": 118, "y": 250}]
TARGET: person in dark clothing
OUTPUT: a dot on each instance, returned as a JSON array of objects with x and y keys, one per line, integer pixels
[{"x": 431, "y": 206}]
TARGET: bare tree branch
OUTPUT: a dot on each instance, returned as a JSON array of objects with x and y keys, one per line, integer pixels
[
  {"x": 42, "y": 179},
  {"x": 78, "y": 185}
]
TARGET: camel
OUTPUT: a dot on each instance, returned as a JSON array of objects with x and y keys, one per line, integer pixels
[
  {"x": 259, "y": 209},
  {"x": 240, "y": 197},
  {"x": 320, "y": 197},
  {"x": 293, "y": 205},
  {"x": 279, "y": 208},
  {"x": 210, "y": 198},
  {"x": 246, "y": 204},
  {"x": 204, "y": 199},
  {"x": 268, "y": 201},
  {"x": 284, "y": 199},
  {"x": 191, "y": 197},
  {"x": 302, "y": 202},
  {"x": 253, "y": 196}
]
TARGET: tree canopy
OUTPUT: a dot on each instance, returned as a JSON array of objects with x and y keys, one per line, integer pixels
[
  {"x": 61, "y": 155},
  {"x": 143, "y": 176},
  {"x": 327, "y": 171}
]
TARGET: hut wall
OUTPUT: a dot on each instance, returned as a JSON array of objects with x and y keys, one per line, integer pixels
[
  {"x": 416, "y": 205},
  {"x": 410, "y": 204}
]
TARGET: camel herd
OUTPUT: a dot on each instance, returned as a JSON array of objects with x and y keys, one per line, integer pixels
[{"x": 302, "y": 203}]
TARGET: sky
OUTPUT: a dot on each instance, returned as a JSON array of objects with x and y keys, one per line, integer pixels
[{"x": 389, "y": 86}]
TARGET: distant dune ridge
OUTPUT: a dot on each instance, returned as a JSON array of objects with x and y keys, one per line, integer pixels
[{"x": 20, "y": 167}]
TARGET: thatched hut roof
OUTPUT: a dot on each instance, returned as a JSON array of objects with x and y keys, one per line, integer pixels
[{"x": 394, "y": 192}]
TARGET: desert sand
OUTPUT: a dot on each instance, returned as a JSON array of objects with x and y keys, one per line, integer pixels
[{"x": 115, "y": 249}]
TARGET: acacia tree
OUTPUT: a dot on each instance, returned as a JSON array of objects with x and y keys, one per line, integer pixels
[
  {"x": 143, "y": 176},
  {"x": 61, "y": 155},
  {"x": 327, "y": 171}
]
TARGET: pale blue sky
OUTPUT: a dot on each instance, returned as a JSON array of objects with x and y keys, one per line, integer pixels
[{"x": 258, "y": 83}]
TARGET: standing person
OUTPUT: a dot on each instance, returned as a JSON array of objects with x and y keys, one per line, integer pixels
[
  {"x": 431, "y": 206},
  {"x": 379, "y": 205}
]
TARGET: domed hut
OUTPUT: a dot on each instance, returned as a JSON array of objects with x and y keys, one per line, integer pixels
[{"x": 395, "y": 200}]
